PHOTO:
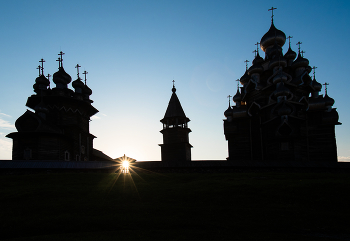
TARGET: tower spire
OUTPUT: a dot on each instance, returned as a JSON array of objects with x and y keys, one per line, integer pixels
[{"x": 173, "y": 89}]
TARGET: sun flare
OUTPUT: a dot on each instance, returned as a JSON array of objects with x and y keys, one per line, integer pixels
[{"x": 125, "y": 164}]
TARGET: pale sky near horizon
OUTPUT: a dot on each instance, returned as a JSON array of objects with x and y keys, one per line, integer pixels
[{"x": 133, "y": 50}]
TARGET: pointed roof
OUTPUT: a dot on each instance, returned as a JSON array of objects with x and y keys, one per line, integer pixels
[{"x": 174, "y": 107}]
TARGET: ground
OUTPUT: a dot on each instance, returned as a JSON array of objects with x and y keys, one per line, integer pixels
[{"x": 175, "y": 206}]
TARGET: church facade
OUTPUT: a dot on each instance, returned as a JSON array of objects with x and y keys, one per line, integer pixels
[
  {"x": 58, "y": 128},
  {"x": 279, "y": 113}
]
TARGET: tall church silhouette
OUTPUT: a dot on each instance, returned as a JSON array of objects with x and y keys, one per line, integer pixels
[{"x": 279, "y": 114}]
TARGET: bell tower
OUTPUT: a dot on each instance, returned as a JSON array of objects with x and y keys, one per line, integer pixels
[{"x": 176, "y": 147}]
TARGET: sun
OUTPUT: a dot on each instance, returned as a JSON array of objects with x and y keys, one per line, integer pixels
[{"x": 125, "y": 164}]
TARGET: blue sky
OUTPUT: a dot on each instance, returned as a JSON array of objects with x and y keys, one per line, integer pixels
[{"x": 134, "y": 49}]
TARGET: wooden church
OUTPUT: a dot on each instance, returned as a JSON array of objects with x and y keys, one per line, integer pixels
[
  {"x": 176, "y": 147},
  {"x": 58, "y": 128},
  {"x": 279, "y": 113}
]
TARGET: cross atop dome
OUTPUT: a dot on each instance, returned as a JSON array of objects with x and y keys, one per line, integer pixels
[
  {"x": 289, "y": 37},
  {"x": 271, "y": 9},
  {"x": 314, "y": 69},
  {"x": 246, "y": 64},
  {"x": 77, "y": 67},
  {"x": 299, "y": 43},
  {"x": 42, "y": 66},
  {"x": 85, "y": 73}
]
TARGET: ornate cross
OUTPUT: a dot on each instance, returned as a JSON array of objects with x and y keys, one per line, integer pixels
[
  {"x": 60, "y": 59},
  {"x": 255, "y": 51},
  {"x": 39, "y": 68},
  {"x": 299, "y": 43},
  {"x": 85, "y": 73},
  {"x": 302, "y": 53},
  {"x": 257, "y": 47},
  {"x": 229, "y": 98},
  {"x": 59, "y": 62},
  {"x": 271, "y": 9},
  {"x": 314, "y": 69},
  {"x": 246, "y": 64},
  {"x": 173, "y": 83},
  {"x": 289, "y": 37},
  {"x": 77, "y": 67},
  {"x": 237, "y": 83},
  {"x": 48, "y": 76},
  {"x": 42, "y": 66},
  {"x": 325, "y": 87}
]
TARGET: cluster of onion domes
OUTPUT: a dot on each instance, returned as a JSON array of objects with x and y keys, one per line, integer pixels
[{"x": 61, "y": 78}]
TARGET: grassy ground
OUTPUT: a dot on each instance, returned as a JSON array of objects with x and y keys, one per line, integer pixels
[{"x": 232, "y": 206}]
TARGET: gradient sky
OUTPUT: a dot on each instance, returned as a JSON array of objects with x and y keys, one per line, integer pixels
[{"x": 133, "y": 50}]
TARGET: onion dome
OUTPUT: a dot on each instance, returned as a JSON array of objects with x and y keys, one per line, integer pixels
[
  {"x": 280, "y": 77},
  {"x": 258, "y": 59},
  {"x": 255, "y": 68},
  {"x": 277, "y": 61},
  {"x": 245, "y": 78},
  {"x": 78, "y": 85},
  {"x": 328, "y": 100},
  {"x": 237, "y": 97},
  {"x": 300, "y": 62},
  {"x": 61, "y": 77},
  {"x": 317, "y": 86},
  {"x": 290, "y": 54},
  {"x": 281, "y": 91},
  {"x": 284, "y": 110},
  {"x": 87, "y": 92},
  {"x": 272, "y": 36},
  {"x": 228, "y": 112},
  {"x": 41, "y": 83}
]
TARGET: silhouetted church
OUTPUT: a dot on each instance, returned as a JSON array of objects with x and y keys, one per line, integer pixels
[
  {"x": 279, "y": 113},
  {"x": 176, "y": 147},
  {"x": 59, "y": 127}
]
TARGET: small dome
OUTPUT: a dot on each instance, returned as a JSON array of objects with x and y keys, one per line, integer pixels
[
  {"x": 228, "y": 112},
  {"x": 300, "y": 62},
  {"x": 87, "y": 90},
  {"x": 237, "y": 97},
  {"x": 272, "y": 36},
  {"x": 61, "y": 77},
  {"x": 78, "y": 84},
  {"x": 245, "y": 78},
  {"x": 42, "y": 80},
  {"x": 255, "y": 68},
  {"x": 290, "y": 54},
  {"x": 328, "y": 100},
  {"x": 317, "y": 86},
  {"x": 258, "y": 60}
]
